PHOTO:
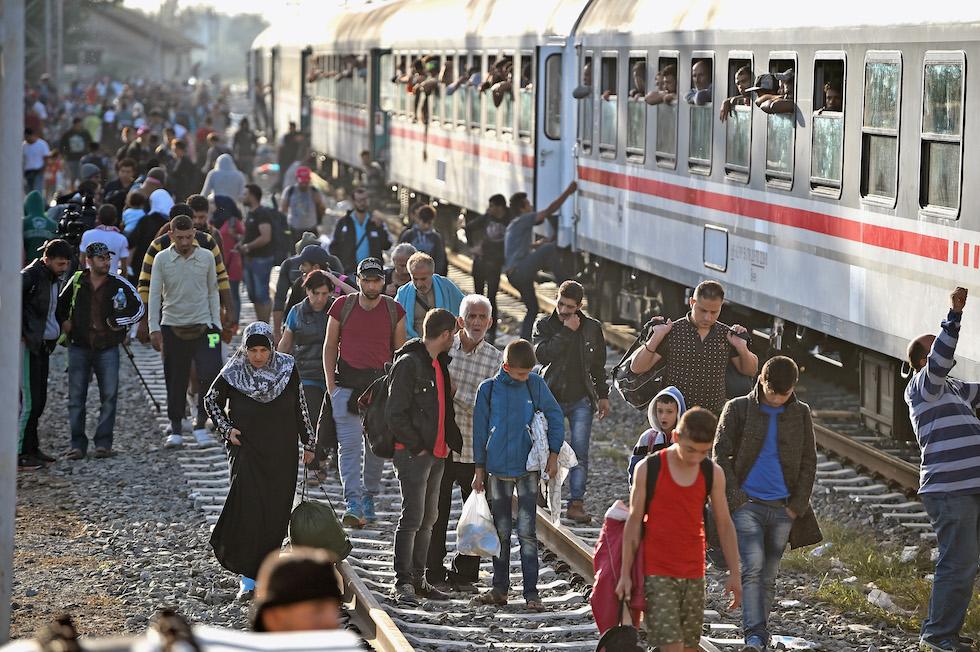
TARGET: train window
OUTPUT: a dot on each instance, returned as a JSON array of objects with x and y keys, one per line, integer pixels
[
  {"x": 942, "y": 133},
  {"x": 503, "y": 91},
  {"x": 585, "y": 123},
  {"x": 486, "y": 95},
  {"x": 607, "y": 107},
  {"x": 552, "y": 97},
  {"x": 360, "y": 80},
  {"x": 699, "y": 97},
  {"x": 780, "y": 125},
  {"x": 386, "y": 65},
  {"x": 636, "y": 110},
  {"x": 667, "y": 113},
  {"x": 447, "y": 75},
  {"x": 525, "y": 95},
  {"x": 827, "y": 146},
  {"x": 736, "y": 113},
  {"x": 457, "y": 89},
  {"x": 879, "y": 141},
  {"x": 473, "y": 92}
]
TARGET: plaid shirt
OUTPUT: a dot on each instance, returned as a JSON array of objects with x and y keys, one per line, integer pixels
[{"x": 467, "y": 371}]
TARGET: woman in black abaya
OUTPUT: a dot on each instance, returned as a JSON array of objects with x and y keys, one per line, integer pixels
[{"x": 257, "y": 405}]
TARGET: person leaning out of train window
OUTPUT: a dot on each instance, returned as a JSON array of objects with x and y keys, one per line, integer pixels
[
  {"x": 833, "y": 97},
  {"x": 471, "y": 77},
  {"x": 496, "y": 75},
  {"x": 584, "y": 90},
  {"x": 700, "y": 92},
  {"x": 666, "y": 91},
  {"x": 743, "y": 81},
  {"x": 639, "y": 90},
  {"x": 505, "y": 85},
  {"x": 775, "y": 92}
]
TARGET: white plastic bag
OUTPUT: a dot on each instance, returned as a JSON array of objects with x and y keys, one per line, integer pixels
[{"x": 476, "y": 534}]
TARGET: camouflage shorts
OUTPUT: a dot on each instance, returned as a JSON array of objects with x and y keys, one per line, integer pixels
[{"x": 675, "y": 610}]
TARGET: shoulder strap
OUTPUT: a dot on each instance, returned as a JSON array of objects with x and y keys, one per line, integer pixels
[
  {"x": 653, "y": 471},
  {"x": 393, "y": 317},
  {"x": 76, "y": 282},
  {"x": 348, "y": 307},
  {"x": 708, "y": 469},
  {"x": 528, "y": 385}
]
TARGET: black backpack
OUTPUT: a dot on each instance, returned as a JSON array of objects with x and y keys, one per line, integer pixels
[
  {"x": 653, "y": 471},
  {"x": 282, "y": 236},
  {"x": 371, "y": 410}
]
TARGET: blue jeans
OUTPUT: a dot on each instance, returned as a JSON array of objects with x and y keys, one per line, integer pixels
[
  {"x": 352, "y": 450},
  {"x": 523, "y": 276},
  {"x": 257, "y": 272},
  {"x": 956, "y": 520},
  {"x": 420, "y": 478},
  {"x": 81, "y": 362},
  {"x": 579, "y": 415},
  {"x": 763, "y": 533},
  {"x": 501, "y": 497},
  {"x": 236, "y": 298}
]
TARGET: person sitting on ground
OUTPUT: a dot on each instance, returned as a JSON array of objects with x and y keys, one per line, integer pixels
[
  {"x": 297, "y": 592},
  {"x": 663, "y": 413},
  {"x": 503, "y": 457},
  {"x": 426, "y": 291},
  {"x": 700, "y": 92},
  {"x": 743, "y": 81},
  {"x": 425, "y": 238}
]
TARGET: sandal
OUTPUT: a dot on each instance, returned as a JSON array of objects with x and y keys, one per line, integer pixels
[
  {"x": 76, "y": 454},
  {"x": 491, "y": 597},
  {"x": 535, "y": 604}
]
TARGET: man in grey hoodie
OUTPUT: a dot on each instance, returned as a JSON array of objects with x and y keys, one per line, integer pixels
[{"x": 224, "y": 179}]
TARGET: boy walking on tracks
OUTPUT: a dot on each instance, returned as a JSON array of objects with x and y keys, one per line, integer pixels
[{"x": 670, "y": 525}]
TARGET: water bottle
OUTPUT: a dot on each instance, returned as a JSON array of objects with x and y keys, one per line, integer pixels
[{"x": 119, "y": 301}]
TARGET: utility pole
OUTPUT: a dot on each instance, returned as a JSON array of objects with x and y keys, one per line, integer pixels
[
  {"x": 11, "y": 185},
  {"x": 59, "y": 26}
]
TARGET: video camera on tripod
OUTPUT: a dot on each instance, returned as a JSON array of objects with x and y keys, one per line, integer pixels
[{"x": 79, "y": 216}]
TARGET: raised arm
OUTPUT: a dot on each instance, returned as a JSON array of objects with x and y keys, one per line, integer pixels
[{"x": 556, "y": 204}]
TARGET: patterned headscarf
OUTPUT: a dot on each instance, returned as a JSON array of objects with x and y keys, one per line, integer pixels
[{"x": 265, "y": 384}]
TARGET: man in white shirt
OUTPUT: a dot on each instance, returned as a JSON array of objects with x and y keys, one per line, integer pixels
[
  {"x": 35, "y": 149},
  {"x": 107, "y": 232}
]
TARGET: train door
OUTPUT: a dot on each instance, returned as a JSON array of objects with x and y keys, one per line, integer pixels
[
  {"x": 547, "y": 125},
  {"x": 381, "y": 70}
]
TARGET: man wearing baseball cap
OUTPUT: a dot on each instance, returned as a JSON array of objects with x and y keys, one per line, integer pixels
[
  {"x": 302, "y": 203},
  {"x": 364, "y": 330},
  {"x": 95, "y": 310}
]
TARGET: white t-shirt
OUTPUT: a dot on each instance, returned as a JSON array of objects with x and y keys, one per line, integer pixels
[
  {"x": 112, "y": 238},
  {"x": 34, "y": 154}
]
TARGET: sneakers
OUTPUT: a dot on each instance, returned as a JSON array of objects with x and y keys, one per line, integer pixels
[
  {"x": 753, "y": 644},
  {"x": 952, "y": 644},
  {"x": 201, "y": 435},
  {"x": 405, "y": 593},
  {"x": 576, "y": 512},
  {"x": 174, "y": 441},
  {"x": 367, "y": 510},
  {"x": 430, "y": 592},
  {"x": 354, "y": 517},
  {"x": 29, "y": 463}
]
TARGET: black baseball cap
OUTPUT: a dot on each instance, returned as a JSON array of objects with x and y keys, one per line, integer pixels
[
  {"x": 315, "y": 255},
  {"x": 370, "y": 267}
]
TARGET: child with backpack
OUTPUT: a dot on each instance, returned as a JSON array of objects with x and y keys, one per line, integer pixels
[
  {"x": 505, "y": 406},
  {"x": 670, "y": 526},
  {"x": 664, "y": 411}
]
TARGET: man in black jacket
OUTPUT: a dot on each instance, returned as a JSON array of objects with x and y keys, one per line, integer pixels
[
  {"x": 573, "y": 351},
  {"x": 420, "y": 413},
  {"x": 95, "y": 311},
  {"x": 39, "y": 333},
  {"x": 359, "y": 235}
]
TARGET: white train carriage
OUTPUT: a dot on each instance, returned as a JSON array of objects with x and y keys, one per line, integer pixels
[{"x": 851, "y": 223}]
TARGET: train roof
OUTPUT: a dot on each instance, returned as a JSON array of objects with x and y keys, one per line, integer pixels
[
  {"x": 449, "y": 24},
  {"x": 643, "y": 16}
]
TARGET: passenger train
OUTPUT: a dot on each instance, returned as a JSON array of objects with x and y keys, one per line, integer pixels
[{"x": 840, "y": 225}]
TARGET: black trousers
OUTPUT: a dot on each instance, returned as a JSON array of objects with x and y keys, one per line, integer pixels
[
  {"x": 326, "y": 430},
  {"x": 178, "y": 354},
  {"x": 464, "y": 568},
  {"x": 486, "y": 272},
  {"x": 34, "y": 395}
]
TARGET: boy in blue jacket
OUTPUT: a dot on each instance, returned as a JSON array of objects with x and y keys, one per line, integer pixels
[{"x": 505, "y": 406}]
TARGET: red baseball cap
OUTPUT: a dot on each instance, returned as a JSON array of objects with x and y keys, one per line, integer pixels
[{"x": 303, "y": 174}]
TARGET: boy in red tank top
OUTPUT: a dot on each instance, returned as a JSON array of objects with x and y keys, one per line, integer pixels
[{"x": 670, "y": 525}]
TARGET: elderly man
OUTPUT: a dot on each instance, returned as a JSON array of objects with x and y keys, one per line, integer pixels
[
  {"x": 700, "y": 93},
  {"x": 426, "y": 291},
  {"x": 943, "y": 412},
  {"x": 397, "y": 275},
  {"x": 473, "y": 361}
]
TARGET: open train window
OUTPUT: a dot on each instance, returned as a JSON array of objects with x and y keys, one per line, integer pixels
[
  {"x": 447, "y": 74},
  {"x": 667, "y": 111},
  {"x": 700, "y": 98},
  {"x": 489, "y": 112},
  {"x": 607, "y": 106},
  {"x": 942, "y": 133},
  {"x": 552, "y": 97},
  {"x": 781, "y": 120},
  {"x": 827, "y": 145},
  {"x": 361, "y": 80},
  {"x": 585, "y": 106},
  {"x": 458, "y": 86},
  {"x": 736, "y": 113},
  {"x": 636, "y": 110},
  {"x": 502, "y": 92},
  {"x": 473, "y": 102},
  {"x": 879, "y": 131},
  {"x": 523, "y": 90},
  {"x": 386, "y": 65}
]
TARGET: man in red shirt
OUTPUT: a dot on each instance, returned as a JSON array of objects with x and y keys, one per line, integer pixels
[{"x": 420, "y": 413}]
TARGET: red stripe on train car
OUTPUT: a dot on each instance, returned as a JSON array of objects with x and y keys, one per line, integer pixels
[
  {"x": 976, "y": 256},
  {"x": 956, "y": 252},
  {"x": 927, "y": 246},
  {"x": 340, "y": 117},
  {"x": 966, "y": 254},
  {"x": 466, "y": 147}
]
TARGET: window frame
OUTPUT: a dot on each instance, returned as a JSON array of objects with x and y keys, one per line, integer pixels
[
  {"x": 520, "y": 97},
  {"x": 634, "y": 154},
  {"x": 774, "y": 178},
  {"x": 820, "y": 187},
  {"x": 507, "y": 131},
  {"x": 892, "y": 57},
  {"x": 586, "y": 132},
  {"x": 476, "y": 127},
  {"x": 490, "y": 129},
  {"x": 608, "y": 150},
  {"x": 957, "y": 57},
  {"x": 461, "y": 63},
  {"x": 667, "y": 160},
  {"x": 697, "y": 165},
  {"x": 550, "y": 110},
  {"x": 733, "y": 172}
]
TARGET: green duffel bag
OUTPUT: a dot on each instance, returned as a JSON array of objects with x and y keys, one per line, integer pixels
[{"x": 315, "y": 524}]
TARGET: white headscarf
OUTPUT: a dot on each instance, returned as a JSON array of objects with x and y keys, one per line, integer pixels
[
  {"x": 264, "y": 384},
  {"x": 161, "y": 202}
]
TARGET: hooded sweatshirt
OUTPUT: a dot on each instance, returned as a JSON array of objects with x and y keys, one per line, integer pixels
[
  {"x": 655, "y": 436},
  {"x": 224, "y": 179},
  {"x": 38, "y": 227},
  {"x": 143, "y": 234}
]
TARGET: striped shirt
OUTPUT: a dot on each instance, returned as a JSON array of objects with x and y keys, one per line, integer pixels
[
  {"x": 467, "y": 371},
  {"x": 943, "y": 417},
  {"x": 204, "y": 240}
]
